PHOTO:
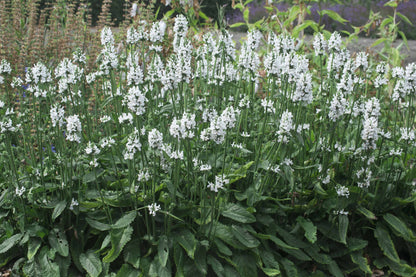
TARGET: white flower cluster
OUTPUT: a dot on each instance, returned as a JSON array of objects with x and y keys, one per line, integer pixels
[
  {"x": 133, "y": 145},
  {"x": 143, "y": 175},
  {"x": 343, "y": 191},
  {"x": 285, "y": 127},
  {"x": 57, "y": 114},
  {"x": 183, "y": 128},
  {"x": 39, "y": 73},
  {"x": 73, "y": 128},
  {"x": 108, "y": 57},
  {"x": 153, "y": 208},
  {"x": 219, "y": 125},
  {"x": 219, "y": 183},
  {"x": 135, "y": 101},
  {"x": 370, "y": 130},
  {"x": 4, "y": 68},
  {"x": 155, "y": 139},
  {"x": 92, "y": 149},
  {"x": 319, "y": 44},
  {"x": 68, "y": 74}
]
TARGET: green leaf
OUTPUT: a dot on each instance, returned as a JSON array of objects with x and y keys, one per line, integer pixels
[
  {"x": 334, "y": 15},
  {"x": 281, "y": 243},
  {"x": 239, "y": 173},
  {"x": 238, "y": 24},
  {"x": 119, "y": 238},
  {"x": 399, "y": 268},
  {"x": 246, "y": 14},
  {"x": 238, "y": 213},
  {"x": 362, "y": 263},
  {"x": 289, "y": 267},
  {"x": 59, "y": 208},
  {"x": 98, "y": 225},
  {"x": 392, "y": 3},
  {"x": 385, "y": 243},
  {"x": 402, "y": 16},
  {"x": 377, "y": 42},
  {"x": 335, "y": 270},
  {"x": 125, "y": 220},
  {"x": 91, "y": 263},
  {"x": 355, "y": 244},
  {"x": 216, "y": 266},
  {"x": 9, "y": 243},
  {"x": 310, "y": 229},
  {"x": 343, "y": 228},
  {"x": 243, "y": 236},
  {"x": 271, "y": 272},
  {"x": 163, "y": 250},
  {"x": 33, "y": 247},
  {"x": 367, "y": 213},
  {"x": 127, "y": 270},
  {"x": 201, "y": 259},
  {"x": 400, "y": 227},
  {"x": 222, "y": 247},
  {"x": 187, "y": 240},
  {"x": 131, "y": 255},
  {"x": 245, "y": 265},
  {"x": 57, "y": 240}
]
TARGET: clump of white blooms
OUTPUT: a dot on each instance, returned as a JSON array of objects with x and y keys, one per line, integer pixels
[
  {"x": 334, "y": 42},
  {"x": 74, "y": 203},
  {"x": 73, "y": 128},
  {"x": 92, "y": 149},
  {"x": 143, "y": 175},
  {"x": 285, "y": 127},
  {"x": 4, "y": 68},
  {"x": 19, "y": 191},
  {"x": 57, "y": 113},
  {"x": 219, "y": 125},
  {"x": 184, "y": 127},
  {"x": 135, "y": 101},
  {"x": 153, "y": 208},
  {"x": 155, "y": 139},
  {"x": 38, "y": 74},
  {"x": 133, "y": 145},
  {"x": 218, "y": 184},
  {"x": 319, "y": 44},
  {"x": 370, "y": 130},
  {"x": 343, "y": 191}
]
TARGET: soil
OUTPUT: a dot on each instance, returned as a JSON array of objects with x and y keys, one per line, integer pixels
[{"x": 361, "y": 44}]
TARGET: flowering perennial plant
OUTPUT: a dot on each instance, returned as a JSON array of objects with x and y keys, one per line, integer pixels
[{"x": 204, "y": 154}]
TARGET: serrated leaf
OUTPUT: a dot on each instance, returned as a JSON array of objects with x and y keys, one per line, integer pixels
[
  {"x": 343, "y": 228},
  {"x": 163, "y": 250},
  {"x": 355, "y": 244},
  {"x": 59, "y": 208},
  {"x": 334, "y": 269},
  {"x": 238, "y": 24},
  {"x": 271, "y": 272},
  {"x": 246, "y": 14},
  {"x": 321, "y": 258},
  {"x": 216, "y": 266},
  {"x": 385, "y": 243},
  {"x": 377, "y": 42},
  {"x": 281, "y": 243},
  {"x": 400, "y": 227},
  {"x": 91, "y": 263},
  {"x": 238, "y": 213},
  {"x": 125, "y": 220},
  {"x": 33, "y": 247},
  {"x": 310, "y": 229},
  {"x": 222, "y": 247},
  {"x": 243, "y": 236},
  {"x": 201, "y": 259},
  {"x": 98, "y": 225},
  {"x": 334, "y": 15},
  {"x": 187, "y": 240},
  {"x": 9, "y": 243},
  {"x": 119, "y": 238},
  {"x": 245, "y": 265},
  {"x": 289, "y": 267},
  {"x": 362, "y": 263},
  {"x": 57, "y": 241},
  {"x": 127, "y": 270},
  {"x": 131, "y": 255},
  {"x": 367, "y": 213}
]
